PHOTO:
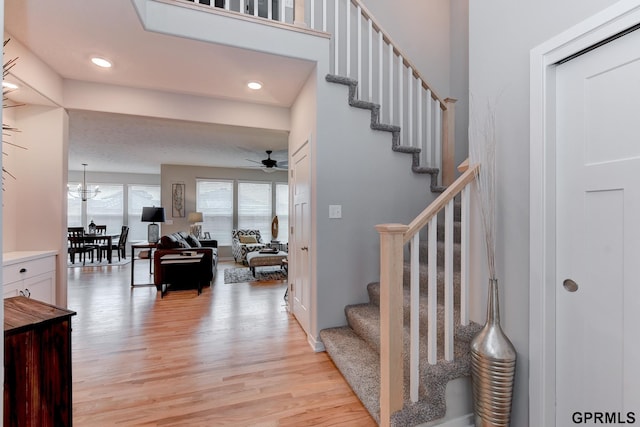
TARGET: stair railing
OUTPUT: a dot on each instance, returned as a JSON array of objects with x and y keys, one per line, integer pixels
[
  {"x": 363, "y": 51},
  {"x": 275, "y": 9},
  {"x": 393, "y": 237}
]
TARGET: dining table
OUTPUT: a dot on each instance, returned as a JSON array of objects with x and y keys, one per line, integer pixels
[{"x": 100, "y": 239}]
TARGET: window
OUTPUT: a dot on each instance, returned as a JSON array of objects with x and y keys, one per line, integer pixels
[
  {"x": 282, "y": 210},
  {"x": 214, "y": 198},
  {"x": 140, "y": 196},
  {"x": 254, "y": 207},
  {"x": 107, "y": 207},
  {"x": 74, "y": 208}
]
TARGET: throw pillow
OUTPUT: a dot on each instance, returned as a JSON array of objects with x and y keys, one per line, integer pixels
[
  {"x": 248, "y": 239},
  {"x": 193, "y": 241}
]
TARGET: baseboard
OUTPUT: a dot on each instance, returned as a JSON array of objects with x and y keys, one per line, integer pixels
[
  {"x": 464, "y": 421},
  {"x": 316, "y": 344}
]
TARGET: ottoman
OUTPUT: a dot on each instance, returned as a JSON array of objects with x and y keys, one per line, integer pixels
[{"x": 257, "y": 259}]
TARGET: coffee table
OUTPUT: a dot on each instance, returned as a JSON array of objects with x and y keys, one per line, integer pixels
[{"x": 258, "y": 259}]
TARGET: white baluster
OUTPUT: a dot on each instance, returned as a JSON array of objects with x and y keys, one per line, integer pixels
[
  {"x": 410, "y": 140},
  {"x": 348, "y": 36},
  {"x": 255, "y": 7},
  {"x": 313, "y": 13},
  {"x": 403, "y": 129},
  {"x": 325, "y": 18},
  {"x": 391, "y": 56},
  {"x": 464, "y": 255},
  {"x": 414, "y": 341},
  {"x": 448, "y": 282},
  {"x": 370, "y": 29},
  {"x": 270, "y": 9},
  {"x": 336, "y": 35},
  {"x": 432, "y": 291},
  {"x": 359, "y": 65},
  {"x": 438, "y": 139},
  {"x": 419, "y": 117},
  {"x": 380, "y": 71},
  {"x": 283, "y": 11},
  {"x": 429, "y": 130},
  {"x": 227, "y": 4}
]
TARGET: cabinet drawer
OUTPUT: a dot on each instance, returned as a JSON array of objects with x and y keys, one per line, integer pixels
[{"x": 26, "y": 269}]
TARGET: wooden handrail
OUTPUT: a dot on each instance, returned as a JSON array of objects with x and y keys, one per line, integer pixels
[
  {"x": 425, "y": 216},
  {"x": 397, "y": 51}
]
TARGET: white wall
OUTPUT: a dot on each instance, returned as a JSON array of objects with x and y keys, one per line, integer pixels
[
  {"x": 35, "y": 215},
  {"x": 501, "y": 34}
]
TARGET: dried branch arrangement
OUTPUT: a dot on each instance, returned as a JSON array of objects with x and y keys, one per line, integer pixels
[
  {"x": 7, "y": 130},
  {"x": 482, "y": 150}
]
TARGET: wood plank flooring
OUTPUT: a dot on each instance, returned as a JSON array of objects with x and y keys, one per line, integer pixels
[{"x": 232, "y": 356}]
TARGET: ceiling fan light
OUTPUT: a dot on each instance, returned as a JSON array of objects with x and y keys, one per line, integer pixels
[{"x": 254, "y": 85}]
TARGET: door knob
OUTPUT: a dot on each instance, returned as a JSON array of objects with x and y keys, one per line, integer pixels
[{"x": 570, "y": 285}]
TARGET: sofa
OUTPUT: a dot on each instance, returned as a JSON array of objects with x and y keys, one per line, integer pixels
[
  {"x": 177, "y": 242},
  {"x": 244, "y": 241}
]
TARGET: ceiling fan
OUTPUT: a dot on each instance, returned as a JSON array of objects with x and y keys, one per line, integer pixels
[{"x": 271, "y": 165}]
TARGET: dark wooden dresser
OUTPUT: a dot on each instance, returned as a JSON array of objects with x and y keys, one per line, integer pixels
[{"x": 37, "y": 364}]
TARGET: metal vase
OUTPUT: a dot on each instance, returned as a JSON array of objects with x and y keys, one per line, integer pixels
[{"x": 493, "y": 363}]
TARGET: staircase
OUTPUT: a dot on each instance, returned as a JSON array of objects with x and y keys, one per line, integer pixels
[
  {"x": 404, "y": 346},
  {"x": 355, "y": 349}
]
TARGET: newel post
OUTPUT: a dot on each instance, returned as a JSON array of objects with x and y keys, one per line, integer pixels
[
  {"x": 391, "y": 369},
  {"x": 449, "y": 142}
]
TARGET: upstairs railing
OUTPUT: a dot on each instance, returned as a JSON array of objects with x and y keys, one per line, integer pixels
[
  {"x": 393, "y": 237},
  {"x": 363, "y": 51}
]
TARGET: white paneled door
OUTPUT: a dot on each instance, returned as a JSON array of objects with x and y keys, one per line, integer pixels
[
  {"x": 598, "y": 234},
  {"x": 300, "y": 264}
]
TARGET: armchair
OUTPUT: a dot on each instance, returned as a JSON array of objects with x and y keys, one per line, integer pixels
[{"x": 245, "y": 241}]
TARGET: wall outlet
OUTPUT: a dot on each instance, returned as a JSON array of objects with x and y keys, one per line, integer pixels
[{"x": 335, "y": 211}]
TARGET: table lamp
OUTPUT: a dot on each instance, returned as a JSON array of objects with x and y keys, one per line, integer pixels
[
  {"x": 153, "y": 215},
  {"x": 195, "y": 229}
]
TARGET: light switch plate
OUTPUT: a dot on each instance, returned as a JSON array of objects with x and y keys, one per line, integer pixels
[{"x": 335, "y": 211}]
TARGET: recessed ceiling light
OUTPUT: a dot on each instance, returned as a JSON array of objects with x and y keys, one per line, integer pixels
[
  {"x": 255, "y": 85},
  {"x": 101, "y": 62},
  {"x": 9, "y": 85}
]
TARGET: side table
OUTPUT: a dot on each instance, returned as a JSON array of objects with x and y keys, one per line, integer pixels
[
  {"x": 178, "y": 268},
  {"x": 141, "y": 245}
]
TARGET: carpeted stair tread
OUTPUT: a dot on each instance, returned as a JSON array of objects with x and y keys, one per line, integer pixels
[
  {"x": 364, "y": 321},
  {"x": 358, "y": 363}
]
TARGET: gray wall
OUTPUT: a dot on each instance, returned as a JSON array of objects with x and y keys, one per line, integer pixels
[
  {"x": 501, "y": 34},
  {"x": 356, "y": 169}
]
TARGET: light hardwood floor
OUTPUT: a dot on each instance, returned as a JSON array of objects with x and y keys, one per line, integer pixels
[{"x": 232, "y": 356}]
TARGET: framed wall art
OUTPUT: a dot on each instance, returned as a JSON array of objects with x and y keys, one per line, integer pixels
[{"x": 177, "y": 200}]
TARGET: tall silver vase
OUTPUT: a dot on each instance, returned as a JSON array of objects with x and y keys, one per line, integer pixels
[{"x": 493, "y": 363}]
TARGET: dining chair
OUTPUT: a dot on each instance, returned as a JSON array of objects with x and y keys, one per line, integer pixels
[
  {"x": 77, "y": 245},
  {"x": 120, "y": 245}
]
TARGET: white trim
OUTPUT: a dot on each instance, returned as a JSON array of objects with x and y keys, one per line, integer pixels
[
  {"x": 316, "y": 343},
  {"x": 463, "y": 421},
  {"x": 601, "y": 26}
]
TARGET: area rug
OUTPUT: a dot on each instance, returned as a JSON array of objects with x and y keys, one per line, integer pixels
[
  {"x": 97, "y": 263},
  {"x": 241, "y": 275}
]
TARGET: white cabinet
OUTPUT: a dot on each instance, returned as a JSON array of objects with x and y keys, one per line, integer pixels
[{"x": 31, "y": 274}]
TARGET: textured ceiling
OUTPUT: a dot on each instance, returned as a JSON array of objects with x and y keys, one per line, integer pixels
[{"x": 65, "y": 33}]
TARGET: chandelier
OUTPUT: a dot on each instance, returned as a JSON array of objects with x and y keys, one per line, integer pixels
[{"x": 82, "y": 191}]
